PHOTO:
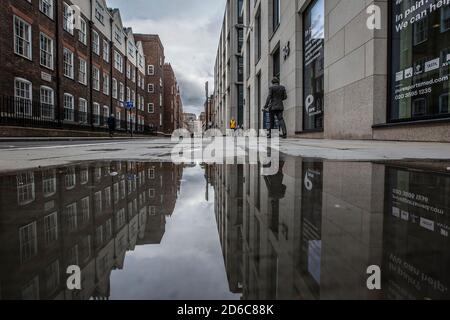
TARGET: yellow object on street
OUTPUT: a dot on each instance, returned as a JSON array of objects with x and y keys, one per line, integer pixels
[{"x": 233, "y": 124}]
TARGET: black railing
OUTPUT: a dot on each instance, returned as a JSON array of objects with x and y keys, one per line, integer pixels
[{"x": 26, "y": 113}]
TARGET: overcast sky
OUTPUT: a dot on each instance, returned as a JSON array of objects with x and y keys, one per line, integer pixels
[{"x": 190, "y": 33}]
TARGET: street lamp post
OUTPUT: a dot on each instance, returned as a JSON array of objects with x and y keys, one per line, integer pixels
[{"x": 129, "y": 106}]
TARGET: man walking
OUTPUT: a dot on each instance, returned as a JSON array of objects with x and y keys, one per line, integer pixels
[
  {"x": 275, "y": 107},
  {"x": 112, "y": 124}
]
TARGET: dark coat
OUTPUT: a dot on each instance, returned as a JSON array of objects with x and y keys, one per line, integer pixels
[
  {"x": 275, "y": 187},
  {"x": 277, "y": 94},
  {"x": 112, "y": 123}
]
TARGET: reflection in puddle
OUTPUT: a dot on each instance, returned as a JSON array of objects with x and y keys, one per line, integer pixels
[{"x": 166, "y": 231}]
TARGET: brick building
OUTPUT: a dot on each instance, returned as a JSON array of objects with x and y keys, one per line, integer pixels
[
  {"x": 119, "y": 79},
  {"x": 154, "y": 53},
  {"x": 24, "y": 72},
  {"x": 142, "y": 94},
  {"x": 79, "y": 215},
  {"x": 179, "y": 110},
  {"x": 69, "y": 65},
  {"x": 172, "y": 103}
]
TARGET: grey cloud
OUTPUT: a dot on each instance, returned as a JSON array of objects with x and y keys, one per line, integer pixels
[{"x": 190, "y": 33}]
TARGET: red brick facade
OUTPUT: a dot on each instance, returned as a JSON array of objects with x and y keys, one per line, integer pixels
[
  {"x": 173, "y": 106},
  {"x": 154, "y": 54},
  {"x": 113, "y": 215},
  {"x": 80, "y": 97}
]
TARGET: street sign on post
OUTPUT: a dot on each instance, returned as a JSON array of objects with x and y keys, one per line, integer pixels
[{"x": 129, "y": 105}]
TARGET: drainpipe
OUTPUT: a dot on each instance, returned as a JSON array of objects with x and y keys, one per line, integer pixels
[
  {"x": 91, "y": 97},
  {"x": 111, "y": 44},
  {"x": 136, "y": 72},
  {"x": 58, "y": 58},
  {"x": 126, "y": 86}
]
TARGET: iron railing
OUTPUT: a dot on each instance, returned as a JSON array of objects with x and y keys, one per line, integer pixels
[{"x": 21, "y": 112}]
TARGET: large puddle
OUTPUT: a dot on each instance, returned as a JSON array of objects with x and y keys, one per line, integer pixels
[{"x": 166, "y": 231}]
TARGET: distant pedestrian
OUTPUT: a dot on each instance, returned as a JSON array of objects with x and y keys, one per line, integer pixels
[
  {"x": 112, "y": 125},
  {"x": 233, "y": 124},
  {"x": 275, "y": 107}
]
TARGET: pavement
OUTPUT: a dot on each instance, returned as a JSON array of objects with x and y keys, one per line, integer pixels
[
  {"x": 33, "y": 153},
  {"x": 358, "y": 150}
]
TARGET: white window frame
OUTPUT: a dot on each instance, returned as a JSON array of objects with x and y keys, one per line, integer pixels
[
  {"x": 68, "y": 19},
  {"x": 118, "y": 61},
  {"x": 96, "y": 78},
  {"x": 96, "y": 113},
  {"x": 105, "y": 113},
  {"x": 82, "y": 71},
  {"x": 117, "y": 35},
  {"x": 106, "y": 50},
  {"x": 28, "y": 239},
  {"x": 24, "y": 104},
  {"x": 151, "y": 88},
  {"x": 46, "y": 7},
  {"x": 82, "y": 109},
  {"x": 71, "y": 213},
  {"x": 49, "y": 183},
  {"x": 25, "y": 188},
  {"x": 131, "y": 49},
  {"x": 69, "y": 104},
  {"x": 85, "y": 209},
  {"x": 46, "y": 53},
  {"x": 121, "y": 92},
  {"x": 105, "y": 83},
  {"x": 68, "y": 66},
  {"x": 151, "y": 70},
  {"x": 95, "y": 42},
  {"x": 24, "y": 40},
  {"x": 48, "y": 100},
  {"x": 151, "y": 108},
  {"x": 114, "y": 88},
  {"x": 99, "y": 12},
  {"x": 51, "y": 228},
  {"x": 82, "y": 32},
  {"x": 129, "y": 71}
]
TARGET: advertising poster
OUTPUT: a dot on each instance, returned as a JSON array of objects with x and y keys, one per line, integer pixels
[
  {"x": 420, "y": 59},
  {"x": 416, "y": 235}
]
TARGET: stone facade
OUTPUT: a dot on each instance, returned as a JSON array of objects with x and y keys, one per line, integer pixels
[
  {"x": 228, "y": 80},
  {"x": 356, "y": 63}
]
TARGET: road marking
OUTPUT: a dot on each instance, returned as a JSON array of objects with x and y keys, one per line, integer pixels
[{"x": 64, "y": 146}]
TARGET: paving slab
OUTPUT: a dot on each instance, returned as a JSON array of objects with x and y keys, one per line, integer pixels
[{"x": 160, "y": 149}]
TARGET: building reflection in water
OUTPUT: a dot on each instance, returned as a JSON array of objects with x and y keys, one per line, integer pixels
[
  {"x": 308, "y": 232},
  {"x": 312, "y": 230},
  {"x": 88, "y": 215}
]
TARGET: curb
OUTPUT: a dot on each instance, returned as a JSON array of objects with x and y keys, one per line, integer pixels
[{"x": 31, "y": 139}]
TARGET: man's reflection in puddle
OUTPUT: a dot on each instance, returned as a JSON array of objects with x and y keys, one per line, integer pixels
[{"x": 276, "y": 191}]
